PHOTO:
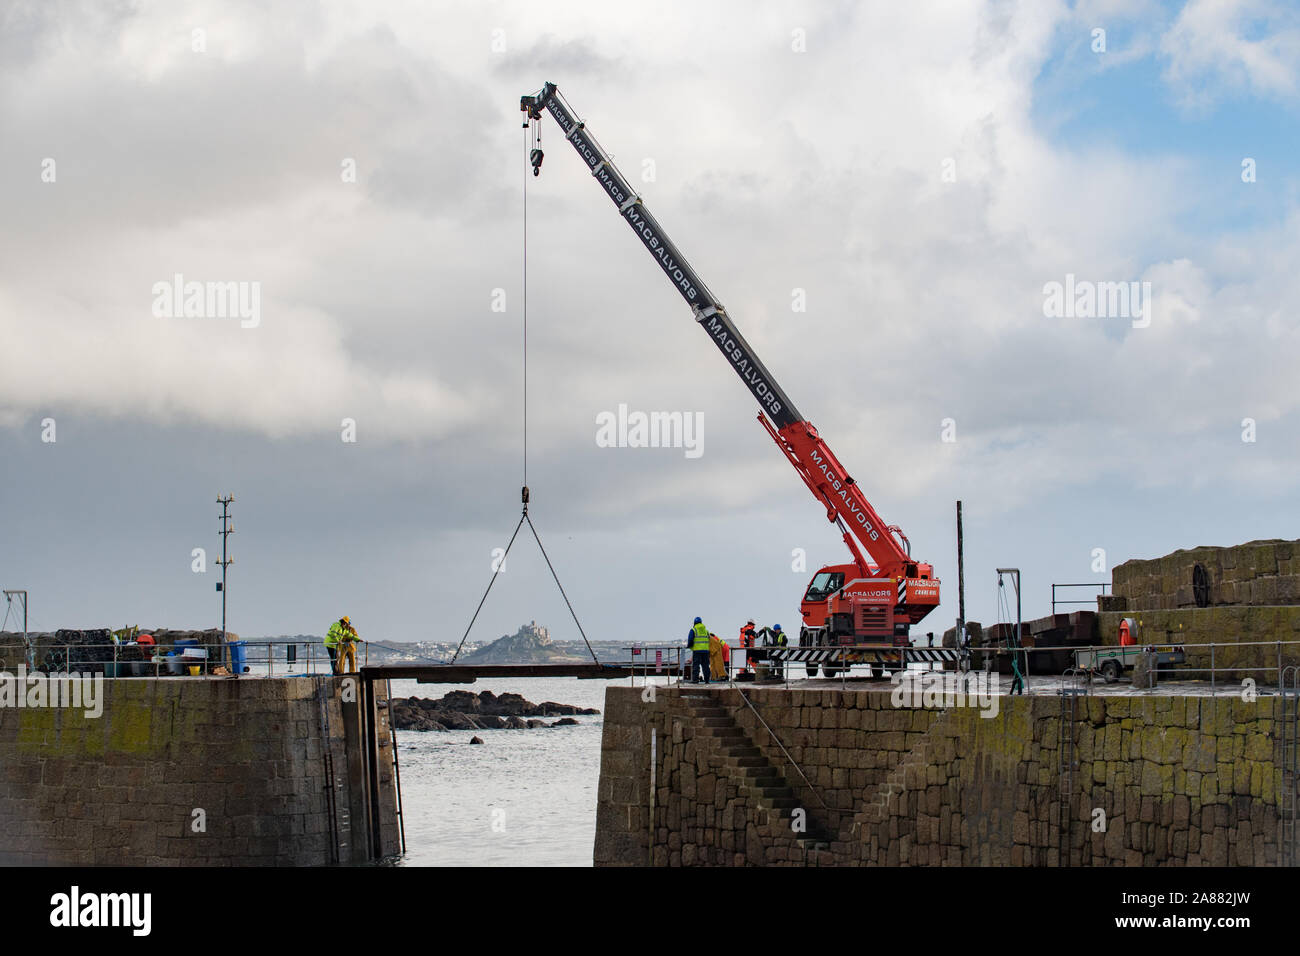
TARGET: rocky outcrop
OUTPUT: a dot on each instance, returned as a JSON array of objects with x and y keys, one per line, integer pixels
[
  {"x": 531, "y": 644},
  {"x": 463, "y": 710}
]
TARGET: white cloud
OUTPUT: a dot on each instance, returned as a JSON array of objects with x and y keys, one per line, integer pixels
[
  {"x": 1220, "y": 46},
  {"x": 776, "y": 170}
]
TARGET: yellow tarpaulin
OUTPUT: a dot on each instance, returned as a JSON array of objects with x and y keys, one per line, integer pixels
[{"x": 718, "y": 671}]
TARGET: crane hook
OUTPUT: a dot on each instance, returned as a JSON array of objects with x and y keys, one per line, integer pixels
[{"x": 535, "y": 157}]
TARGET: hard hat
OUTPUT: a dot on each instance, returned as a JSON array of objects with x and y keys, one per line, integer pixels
[
  {"x": 698, "y": 621},
  {"x": 344, "y": 619},
  {"x": 776, "y": 627}
]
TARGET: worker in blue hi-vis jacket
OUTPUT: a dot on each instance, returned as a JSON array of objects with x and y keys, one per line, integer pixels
[{"x": 697, "y": 639}]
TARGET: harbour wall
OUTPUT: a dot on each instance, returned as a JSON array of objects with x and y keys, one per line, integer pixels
[
  {"x": 1260, "y": 573},
  {"x": 694, "y": 776},
  {"x": 256, "y": 771}
]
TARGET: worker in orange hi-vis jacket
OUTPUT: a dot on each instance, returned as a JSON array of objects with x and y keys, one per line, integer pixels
[{"x": 747, "y": 638}]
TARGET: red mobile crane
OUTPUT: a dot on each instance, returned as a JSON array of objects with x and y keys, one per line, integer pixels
[{"x": 870, "y": 602}]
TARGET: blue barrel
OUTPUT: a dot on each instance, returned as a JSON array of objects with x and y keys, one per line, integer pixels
[{"x": 237, "y": 664}]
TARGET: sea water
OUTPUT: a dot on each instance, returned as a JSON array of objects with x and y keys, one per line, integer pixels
[{"x": 521, "y": 798}]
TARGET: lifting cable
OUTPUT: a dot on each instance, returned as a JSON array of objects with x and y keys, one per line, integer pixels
[{"x": 532, "y": 147}]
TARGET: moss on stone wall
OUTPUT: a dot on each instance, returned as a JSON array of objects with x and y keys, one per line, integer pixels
[
  {"x": 123, "y": 788},
  {"x": 1156, "y": 780}
]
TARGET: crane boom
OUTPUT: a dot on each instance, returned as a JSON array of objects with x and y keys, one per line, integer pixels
[
  {"x": 828, "y": 480},
  {"x": 708, "y": 310}
]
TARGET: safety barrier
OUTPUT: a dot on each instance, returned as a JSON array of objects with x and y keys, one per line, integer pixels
[
  {"x": 782, "y": 665},
  {"x": 259, "y": 658},
  {"x": 656, "y": 660},
  {"x": 1216, "y": 668},
  {"x": 1180, "y": 661},
  {"x": 1092, "y": 602}
]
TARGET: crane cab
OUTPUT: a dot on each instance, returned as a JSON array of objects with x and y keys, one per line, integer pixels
[
  {"x": 845, "y": 608},
  {"x": 842, "y": 608}
]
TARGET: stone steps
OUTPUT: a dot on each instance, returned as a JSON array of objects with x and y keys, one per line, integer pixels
[
  {"x": 723, "y": 733},
  {"x": 757, "y": 781},
  {"x": 741, "y": 748},
  {"x": 774, "y": 792}
]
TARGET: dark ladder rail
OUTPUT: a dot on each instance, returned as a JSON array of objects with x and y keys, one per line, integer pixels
[
  {"x": 1288, "y": 721},
  {"x": 397, "y": 767},
  {"x": 327, "y": 760},
  {"x": 368, "y": 727},
  {"x": 1066, "y": 765}
]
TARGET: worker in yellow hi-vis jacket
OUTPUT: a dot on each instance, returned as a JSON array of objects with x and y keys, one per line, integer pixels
[{"x": 341, "y": 643}]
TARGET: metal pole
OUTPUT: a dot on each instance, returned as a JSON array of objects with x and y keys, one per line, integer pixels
[
  {"x": 1015, "y": 577},
  {"x": 27, "y": 644},
  {"x": 961, "y": 568},
  {"x": 226, "y": 531},
  {"x": 1018, "y": 635},
  {"x": 650, "y": 824},
  {"x": 960, "y": 636},
  {"x": 1019, "y": 639}
]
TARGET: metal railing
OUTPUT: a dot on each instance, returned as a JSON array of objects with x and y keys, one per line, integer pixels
[
  {"x": 654, "y": 660},
  {"x": 260, "y": 658},
  {"x": 675, "y": 660},
  {"x": 1217, "y": 670},
  {"x": 1089, "y": 584},
  {"x": 1202, "y": 662}
]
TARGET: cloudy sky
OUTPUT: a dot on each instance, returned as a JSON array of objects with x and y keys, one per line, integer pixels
[{"x": 916, "y": 174}]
